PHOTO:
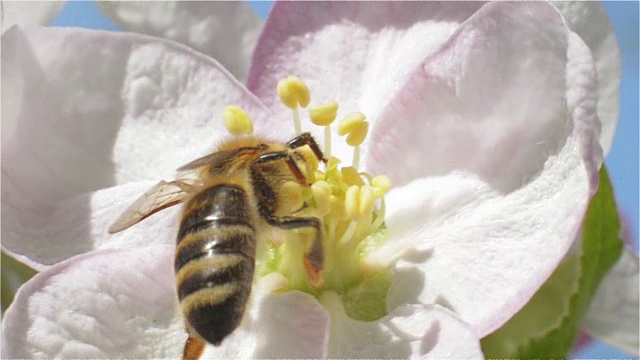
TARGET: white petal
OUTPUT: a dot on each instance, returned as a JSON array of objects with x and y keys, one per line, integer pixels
[
  {"x": 479, "y": 252},
  {"x": 582, "y": 101},
  {"x": 132, "y": 108},
  {"x": 354, "y": 52},
  {"x": 117, "y": 304},
  {"x": 122, "y": 304},
  {"x": 411, "y": 331},
  {"x": 79, "y": 224},
  {"x": 486, "y": 241},
  {"x": 589, "y": 20},
  {"x": 28, "y": 12},
  {"x": 492, "y": 101},
  {"x": 226, "y": 31},
  {"x": 613, "y": 313}
]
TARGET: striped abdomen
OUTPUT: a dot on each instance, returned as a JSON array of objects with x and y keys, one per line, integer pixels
[{"x": 215, "y": 259}]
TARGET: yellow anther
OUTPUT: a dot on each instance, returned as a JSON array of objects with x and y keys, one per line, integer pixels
[
  {"x": 291, "y": 198},
  {"x": 321, "y": 194},
  {"x": 350, "y": 123},
  {"x": 293, "y": 92},
  {"x": 352, "y": 202},
  {"x": 324, "y": 115},
  {"x": 357, "y": 136},
  {"x": 287, "y": 94},
  {"x": 351, "y": 177},
  {"x": 309, "y": 158},
  {"x": 382, "y": 183},
  {"x": 237, "y": 120},
  {"x": 302, "y": 91},
  {"x": 367, "y": 200},
  {"x": 350, "y": 206}
]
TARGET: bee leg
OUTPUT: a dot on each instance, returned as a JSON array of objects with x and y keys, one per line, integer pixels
[
  {"x": 193, "y": 347},
  {"x": 280, "y": 156},
  {"x": 306, "y": 139},
  {"x": 314, "y": 259}
]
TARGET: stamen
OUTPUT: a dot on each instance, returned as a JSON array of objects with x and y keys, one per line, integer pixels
[
  {"x": 379, "y": 215},
  {"x": 311, "y": 161},
  {"x": 352, "y": 201},
  {"x": 321, "y": 194},
  {"x": 327, "y": 140},
  {"x": 237, "y": 120},
  {"x": 367, "y": 200},
  {"x": 355, "y": 162},
  {"x": 293, "y": 92},
  {"x": 296, "y": 121},
  {"x": 301, "y": 90},
  {"x": 356, "y": 128},
  {"x": 351, "y": 177},
  {"x": 324, "y": 115},
  {"x": 359, "y": 133},
  {"x": 350, "y": 122},
  {"x": 348, "y": 234},
  {"x": 349, "y": 204},
  {"x": 381, "y": 184},
  {"x": 338, "y": 210}
]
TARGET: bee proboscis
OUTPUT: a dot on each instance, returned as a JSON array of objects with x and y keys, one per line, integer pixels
[{"x": 226, "y": 207}]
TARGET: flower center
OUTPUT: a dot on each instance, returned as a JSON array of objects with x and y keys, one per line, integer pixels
[{"x": 348, "y": 202}]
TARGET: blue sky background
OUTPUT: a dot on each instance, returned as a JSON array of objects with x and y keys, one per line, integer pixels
[{"x": 622, "y": 162}]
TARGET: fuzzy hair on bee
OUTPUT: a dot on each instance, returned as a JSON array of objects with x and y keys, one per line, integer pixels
[{"x": 235, "y": 195}]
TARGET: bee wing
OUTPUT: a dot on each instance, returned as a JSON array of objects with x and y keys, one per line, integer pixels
[
  {"x": 214, "y": 158},
  {"x": 161, "y": 196},
  {"x": 222, "y": 160}
]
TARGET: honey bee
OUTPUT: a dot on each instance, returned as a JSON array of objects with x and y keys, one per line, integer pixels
[{"x": 234, "y": 196}]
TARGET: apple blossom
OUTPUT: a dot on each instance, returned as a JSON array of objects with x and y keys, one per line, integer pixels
[
  {"x": 484, "y": 116},
  {"x": 33, "y": 12},
  {"x": 224, "y": 30}
]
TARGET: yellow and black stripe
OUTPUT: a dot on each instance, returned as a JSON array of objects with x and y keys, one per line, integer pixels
[{"x": 215, "y": 260}]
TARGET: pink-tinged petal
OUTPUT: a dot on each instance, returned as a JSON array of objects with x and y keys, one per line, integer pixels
[
  {"x": 114, "y": 304},
  {"x": 226, "y": 31},
  {"x": 589, "y": 20},
  {"x": 354, "y": 52},
  {"x": 492, "y": 101},
  {"x": 28, "y": 12},
  {"x": 613, "y": 313},
  {"x": 78, "y": 224},
  {"x": 505, "y": 158},
  {"x": 123, "y": 304},
  {"x": 132, "y": 108},
  {"x": 583, "y": 341},
  {"x": 582, "y": 102},
  {"x": 410, "y": 331},
  {"x": 479, "y": 252}
]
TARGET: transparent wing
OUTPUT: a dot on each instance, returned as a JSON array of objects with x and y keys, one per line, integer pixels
[
  {"x": 161, "y": 196},
  {"x": 214, "y": 158},
  {"x": 224, "y": 160}
]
